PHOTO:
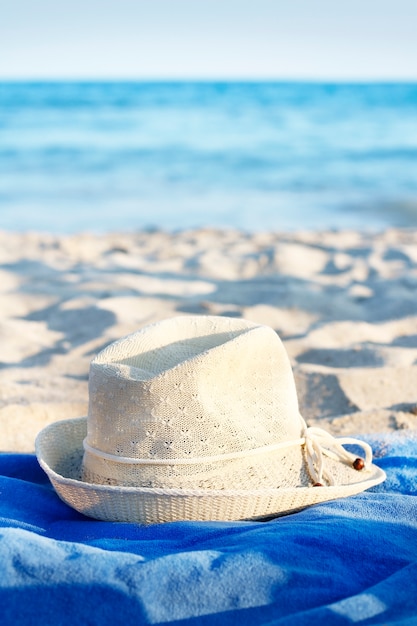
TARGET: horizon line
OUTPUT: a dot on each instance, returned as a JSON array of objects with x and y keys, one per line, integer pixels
[{"x": 209, "y": 79}]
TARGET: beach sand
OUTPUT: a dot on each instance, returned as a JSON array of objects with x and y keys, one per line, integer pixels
[{"x": 344, "y": 304}]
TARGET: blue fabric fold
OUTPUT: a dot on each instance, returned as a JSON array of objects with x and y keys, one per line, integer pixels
[{"x": 350, "y": 561}]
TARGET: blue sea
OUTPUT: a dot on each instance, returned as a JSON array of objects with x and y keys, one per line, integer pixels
[{"x": 104, "y": 156}]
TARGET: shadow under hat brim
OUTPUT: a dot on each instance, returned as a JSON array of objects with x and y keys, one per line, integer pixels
[{"x": 59, "y": 448}]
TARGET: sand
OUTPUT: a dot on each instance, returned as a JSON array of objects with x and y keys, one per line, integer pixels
[{"x": 344, "y": 304}]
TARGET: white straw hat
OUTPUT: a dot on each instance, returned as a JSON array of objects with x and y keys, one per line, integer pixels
[{"x": 196, "y": 418}]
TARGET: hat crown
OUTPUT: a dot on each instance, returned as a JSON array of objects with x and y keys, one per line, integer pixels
[{"x": 192, "y": 387}]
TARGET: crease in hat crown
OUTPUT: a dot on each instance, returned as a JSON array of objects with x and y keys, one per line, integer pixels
[{"x": 188, "y": 412}]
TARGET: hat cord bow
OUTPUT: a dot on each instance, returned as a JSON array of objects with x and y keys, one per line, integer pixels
[{"x": 319, "y": 443}]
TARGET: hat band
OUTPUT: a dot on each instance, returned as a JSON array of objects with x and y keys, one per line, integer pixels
[
  {"x": 194, "y": 460},
  {"x": 318, "y": 443}
]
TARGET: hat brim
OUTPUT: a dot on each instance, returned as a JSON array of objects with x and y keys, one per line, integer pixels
[{"x": 59, "y": 448}]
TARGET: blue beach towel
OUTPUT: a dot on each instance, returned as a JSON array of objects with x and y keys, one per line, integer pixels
[{"x": 351, "y": 561}]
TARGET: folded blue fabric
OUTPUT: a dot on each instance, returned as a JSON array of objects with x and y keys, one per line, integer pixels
[{"x": 351, "y": 561}]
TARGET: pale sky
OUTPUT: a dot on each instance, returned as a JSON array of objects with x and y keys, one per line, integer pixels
[{"x": 208, "y": 39}]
